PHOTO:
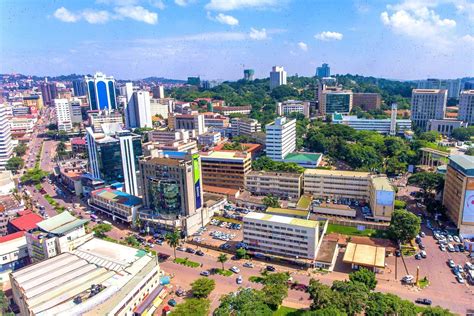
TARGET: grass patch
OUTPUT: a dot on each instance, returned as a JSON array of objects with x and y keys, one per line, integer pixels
[
  {"x": 226, "y": 273},
  {"x": 423, "y": 283},
  {"x": 186, "y": 262},
  {"x": 256, "y": 279},
  {"x": 288, "y": 311},
  {"x": 228, "y": 220},
  {"x": 304, "y": 202},
  {"x": 353, "y": 231}
]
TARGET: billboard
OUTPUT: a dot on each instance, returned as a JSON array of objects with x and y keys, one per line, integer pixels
[
  {"x": 468, "y": 209},
  {"x": 197, "y": 180},
  {"x": 385, "y": 198}
]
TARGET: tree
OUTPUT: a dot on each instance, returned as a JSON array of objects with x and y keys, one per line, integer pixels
[
  {"x": 34, "y": 176},
  {"x": 275, "y": 289},
  {"x": 192, "y": 306},
  {"x": 101, "y": 229},
  {"x": 364, "y": 276},
  {"x": 202, "y": 287},
  {"x": 4, "y": 305},
  {"x": 470, "y": 151},
  {"x": 244, "y": 302},
  {"x": 271, "y": 201},
  {"x": 173, "y": 240},
  {"x": 327, "y": 311},
  {"x": 222, "y": 259},
  {"x": 52, "y": 127},
  {"x": 20, "y": 149},
  {"x": 132, "y": 241},
  {"x": 436, "y": 311},
  {"x": 321, "y": 294},
  {"x": 462, "y": 133},
  {"x": 404, "y": 225},
  {"x": 389, "y": 304},
  {"x": 14, "y": 164},
  {"x": 430, "y": 136},
  {"x": 427, "y": 181},
  {"x": 241, "y": 253},
  {"x": 351, "y": 297},
  {"x": 400, "y": 205}
]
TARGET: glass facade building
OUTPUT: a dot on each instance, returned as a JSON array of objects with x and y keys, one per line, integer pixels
[
  {"x": 338, "y": 102},
  {"x": 101, "y": 92}
]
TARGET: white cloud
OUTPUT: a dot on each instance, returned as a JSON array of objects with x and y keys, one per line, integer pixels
[
  {"x": 258, "y": 34},
  {"x": 183, "y": 3},
  {"x": 227, "y": 19},
  {"x": 208, "y": 37},
  {"x": 159, "y": 4},
  {"x": 228, "y": 5},
  {"x": 303, "y": 46},
  {"x": 137, "y": 13},
  {"x": 65, "y": 15},
  {"x": 468, "y": 38},
  {"x": 329, "y": 36},
  {"x": 96, "y": 17}
]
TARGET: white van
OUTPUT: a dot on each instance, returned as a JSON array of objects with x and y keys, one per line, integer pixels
[{"x": 107, "y": 222}]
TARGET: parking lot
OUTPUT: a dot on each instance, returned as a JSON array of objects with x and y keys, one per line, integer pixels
[{"x": 222, "y": 233}]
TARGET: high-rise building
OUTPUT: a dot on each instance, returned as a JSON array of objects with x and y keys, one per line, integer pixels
[
  {"x": 114, "y": 154},
  {"x": 323, "y": 71},
  {"x": 158, "y": 92},
  {"x": 67, "y": 113},
  {"x": 281, "y": 138},
  {"x": 6, "y": 146},
  {"x": 453, "y": 86},
  {"x": 277, "y": 77},
  {"x": 194, "y": 81},
  {"x": 458, "y": 193},
  {"x": 49, "y": 92},
  {"x": 248, "y": 74},
  {"x": 101, "y": 92},
  {"x": 468, "y": 85},
  {"x": 427, "y": 104},
  {"x": 466, "y": 106},
  {"x": 96, "y": 119},
  {"x": 79, "y": 87},
  {"x": 335, "y": 100},
  {"x": 137, "y": 110}
]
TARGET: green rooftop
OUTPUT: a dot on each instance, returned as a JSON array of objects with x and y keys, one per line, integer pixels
[
  {"x": 61, "y": 223},
  {"x": 302, "y": 157},
  {"x": 304, "y": 223},
  {"x": 287, "y": 212},
  {"x": 304, "y": 202}
]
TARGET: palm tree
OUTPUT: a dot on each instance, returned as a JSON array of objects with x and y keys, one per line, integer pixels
[
  {"x": 222, "y": 259},
  {"x": 172, "y": 239}
]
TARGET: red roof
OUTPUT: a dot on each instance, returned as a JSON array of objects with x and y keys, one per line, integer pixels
[
  {"x": 24, "y": 212},
  {"x": 78, "y": 141},
  {"x": 26, "y": 222},
  {"x": 11, "y": 236}
]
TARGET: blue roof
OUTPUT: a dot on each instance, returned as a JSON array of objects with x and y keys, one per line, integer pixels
[
  {"x": 118, "y": 196},
  {"x": 462, "y": 163}
]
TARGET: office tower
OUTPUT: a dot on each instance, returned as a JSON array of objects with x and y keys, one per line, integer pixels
[
  {"x": 158, "y": 92},
  {"x": 277, "y": 77},
  {"x": 458, "y": 193},
  {"x": 172, "y": 185},
  {"x": 427, "y": 104},
  {"x": 248, "y": 74},
  {"x": 49, "y": 92},
  {"x": 453, "y": 86},
  {"x": 137, "y": 110},
  {"x": 466, "y": 106},
  {"x": 6, "y": 146},
  {"x": 281, "y": 138},
  {"x": 323, "y": 71},
  {"x": 79, "y": 87},
  {"x": 67, "y": 113},
  {"x": 101, "y": 92},
  {"x": 96, "y": 119},
  {"x": 468, "y": 85},
  {"x": 293, "y": 106},
  {"x": 367, "y": 101},
  {"x": 113, "y": 155},
  {"x": 393, "y": 120},
  {"x": 335, "y": 100}
]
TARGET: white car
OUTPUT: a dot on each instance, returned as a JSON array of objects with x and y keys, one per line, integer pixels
[
  {"x": 239, "y": 279},
  {"x": 456, "y": 239},
  {"x": 248, "y": 265},
  {"x": 423, "y": 254},
  {"x": 408, "y": 279},
  {"x": 450, "y": 248},
  {"x": 450, "y": 238},
  {"x": 235, "y": 269}
]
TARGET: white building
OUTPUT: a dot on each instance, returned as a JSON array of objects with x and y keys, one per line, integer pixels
[
  {"x": 277, "y": 77},
  {"x": 162, "y": 107},
  {"x": 23, "y": 124},
  {"x": 13, "y": 252},
  {"x": 427, "y": 104},
  {"x": 292, "y": 106},
  {"x": 165, "y": 136},
  {"x": 466, "y": 106},
  {"x": 101, "y": 92},
  {"x": 137, "y": 110},
  {"x": 244, "y": 126},
  {"x": 96, "y": 119},
  {"x": 445, "y": 127},
  {"x": 67, "y": 113},
  {"x": 209, "y": 138},
  {"x": 281, "y": 235},
  {"x": 379, "y": 125},
  {"x": 6, "y": 146},
  {"x": 280, "y": 138},
  {"x": 452, "y": 85},
  {"x": 158, "y": 92}
]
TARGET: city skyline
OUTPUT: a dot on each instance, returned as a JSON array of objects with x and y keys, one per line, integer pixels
[{"x": 218, "y": 39}]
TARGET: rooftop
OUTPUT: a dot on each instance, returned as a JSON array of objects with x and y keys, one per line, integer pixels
[
  {"x": 365, "y": 255},
  {"x": 287, "y": 212},
  {"x": 463, "y": 163},
  {"x": 117, "y": 197},
  {"x": 10, "y": 237},
  {"x": 326, "y": 251},
  {"x": 284, "y": 174},
  {"x": 341, "y": 173},
  {"x": 61, "y": 223},
  {"x": 302, "y": 157},
  {"x": 224, "y": 155},
  {"x": 282, "y": 220},
  {"x": 26, "y": 222},
  {"x": 382, "y": 183}
]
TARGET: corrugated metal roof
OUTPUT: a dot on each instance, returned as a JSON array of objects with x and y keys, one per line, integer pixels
[{"x": 61, "y": 223}]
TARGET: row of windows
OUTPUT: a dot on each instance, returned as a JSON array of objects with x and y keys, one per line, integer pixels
[{"x": 265, "y": 236}]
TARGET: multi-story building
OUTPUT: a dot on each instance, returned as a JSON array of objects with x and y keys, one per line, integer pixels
[
  {"x": 281, "y": 184},
  {"x": 335, "y": 100},
  {"x": 277, "y": 77},
  {"x": 70, "y": 172},
  {"x": 244, "y": 127},
  {"x": 158, "y": 92},
  {"x": 79, "y": 88},
  {"x": 293, "y": 106},
  {"x": 248, "y": 74},
  {"x": 13, "y": 252},
  {"x": 225, "y": 169},
  {"x": 49, "y": 92},
  {"x": 367, "y": 101},
  {"x": 101, "y": 92},
  {"x": 379, "y": 125},
  {"x": 33, "y": 101},
  {"x": 216, "y": 121},
  {"x": 97, "y": 118},
  {"x": 323, "y": 71},
  {"x": 23, "y": 124},
  {"x": 138, "y": 110},
  {"x": 6, "y": 145},
  {"x": 228, "y": 110},
  {"x": 458, "y": 193},
  {"x": 188, "y": 122},
  {"x": 113, "y": 155},
  {"x": 166, "y": 136},
  {"x": 172, "y": 192},
  {"x": 161, "y": 107},
  {"x": 466, "y": 106},
  {"x": 445, "y": 127},
  {"x": 118, "y": 205},
  {"x": 381, "y": 198},
  {"x": 209, "y": 138},
  {"x": 453, "y": 86},
  {"x": 281, "y": 138},
  {"x": 427, "y": 104},
  {"x": 67, "y": 113},
  {"x": 281, "y": 235}
]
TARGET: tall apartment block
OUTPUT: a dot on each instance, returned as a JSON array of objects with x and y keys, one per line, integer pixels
[
  {"x": 6, "y": 146},
  {"x": 427, "y": 104},
  {"x": 323, "y": 71},
  {"x": 49, "y": 92},
  {"x": 248, "y": 74},
  {"x": 452, "y": 85},
  {"x": 67, "y": 113},
  {"x": 458, "y": 196},
  {"x": 277, "y": 77},
  {"x": 79, "y": 88},
  {"x": 158, "y": 92},
  {"x": 281, "y": 138},
  {"x": 293, "y": 106},
  {"x": 466, "y": 106},
  {"x": 101, "y": 92},
  {"x": 367, "y": 101},
  {"x": 138, "y": 110}
]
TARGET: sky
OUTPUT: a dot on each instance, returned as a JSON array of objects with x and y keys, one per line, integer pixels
[{"x": 217, "y": 39}]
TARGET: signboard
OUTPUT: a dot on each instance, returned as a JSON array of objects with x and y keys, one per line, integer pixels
[
  {"x": 385, "y": 198},
  {"x": 197, "y": 180},
  {"x": 468, "y": 211}
]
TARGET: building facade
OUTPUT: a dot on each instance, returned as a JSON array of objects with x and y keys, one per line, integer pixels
[
  {"x": 97, "y": 118},
  {"x": 118, "y": 205},
  {"x": 381, "y": 198},
  {"x": 280, "y": 138},
  {"x": 244, "y": 127},
  {"x": 101, "y": 92},
  {"x": 79, "y": 88},
  {"x": 277, "y": 77},
  {"x": 466, "y": 106},
  {"x": 323, "y": 71},
  {"x": 445, "y": 127},
  {"x": 382, "y": 126},
  {"x": 427, "y": 104},
  {"x": 248, "y": 74},
  {"x": 293, "y": 106},
  {"x": 367, "y": 101},
  {"x": 138, "y": 110},
  {"x": 280, "y": 184},
  {"x": 332, "y": 101},
  {"x": 6, "y": 145},
  {"x": 453, "y": 86}
]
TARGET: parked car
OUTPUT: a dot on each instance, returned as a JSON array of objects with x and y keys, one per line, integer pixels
[
  {"x": 423, "y": 301},
  {"x": 422, "y": 234},
  {"x": 408, "y": 279},
  {"x": 418, "y": 256},
  {"x": 456, "y": 248},
  {"x": 423, "y": 254},
  {"x": 460, "y": 279},
  {"x": 456, "y": 238},
  {"x": 235, "y": 269},
  {"x": 248, "y": 265},
  {"x": 180, "y": 292},
  {"x": 239, "y": 280},
  {"x": 172, "y": 302},
  {"x": 421, "y": 246},
  {"x": 205, "y": 273},
  {"x": 200, "y": 253},
  {"x": 190, "y": 250},
  {"x": 451, "y": 263},
  {"x": 450, "y": 248},
  {"x": 271, "y": 268},
  {"x": 461, "y": 248},
  {"x": 181, "y": 248}
]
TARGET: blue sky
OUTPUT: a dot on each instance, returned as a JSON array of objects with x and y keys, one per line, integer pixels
[{"x": 217, "y": 39}]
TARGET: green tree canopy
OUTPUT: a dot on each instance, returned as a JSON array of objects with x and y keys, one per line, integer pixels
[
  {"x": 389, "y": 304},
  {"x": 192, "y": 306},
  {"x": 266, "y": 164},
  {"x": 271, "y": 201},
  {"x": 321, "y": 294},
  {"x": 463, "y": 133},
  {"x": 275, "y": 289},
  {"x": 101, "y": 230},
  {"x": 364, "y": 276},
  {"x": 246, "y": 302},
  {"x": 436, "y": 311},
  {"x": 350, "y": 297},
  {"x": 222, "y": 259},
  {"x": 14, "y": 164},
  {"x": 430, "y": 136},
  {"x": 173, "y": 240},
  {"x": 20, "y": 149},
  {"x": 34, "y": 176},
  {"x": 427, "y": 181},
  {"x": 404, "y": 225},
  {"x": 202, "y": 287}
]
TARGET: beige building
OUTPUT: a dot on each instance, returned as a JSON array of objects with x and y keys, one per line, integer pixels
[
  {"x": 281, "y": 184},
  {"x": 458, "y": 196},
  {"x": 427, "y": 104},
  {"x": 367, "y": 101},
  {"x": 225, "y": 169},
  {"x": 244, "y": 126},
  {"x": 382, "y": 198}
]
